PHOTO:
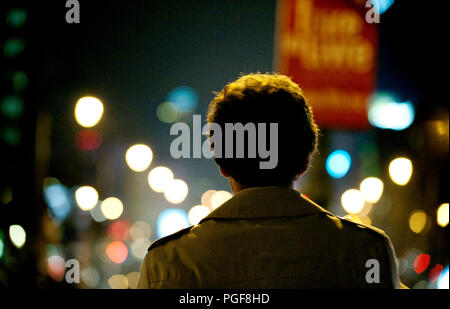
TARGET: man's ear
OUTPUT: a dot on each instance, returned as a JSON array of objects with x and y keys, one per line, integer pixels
[{"x": 223, "y": 172}]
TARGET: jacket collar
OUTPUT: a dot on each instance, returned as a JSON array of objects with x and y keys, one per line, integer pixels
[{"x": 265, "y": 202}]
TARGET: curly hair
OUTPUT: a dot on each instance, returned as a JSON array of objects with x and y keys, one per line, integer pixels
[{"x": 267, "y": 98}]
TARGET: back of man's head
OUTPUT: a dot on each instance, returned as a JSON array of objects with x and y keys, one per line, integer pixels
[{"x": 266, "y": 98}]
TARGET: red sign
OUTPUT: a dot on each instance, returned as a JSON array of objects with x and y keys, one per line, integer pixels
[{"x": 329, "y": 49}]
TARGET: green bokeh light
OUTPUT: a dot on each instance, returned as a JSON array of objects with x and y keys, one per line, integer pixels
[
  {"x": 20, "y": 81},
  {"x": 167, "y": 112},
  {"x": 16, "y": 17},
  {"x": 13, "y": 47},
  {"x": 11, "y": 136},
  {"x": 12, "y": 106}
]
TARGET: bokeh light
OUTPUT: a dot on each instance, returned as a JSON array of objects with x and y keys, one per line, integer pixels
[
  {"x": 118, "y": 281},
  {"x": 400, "y": 170},
  {"x": 88, "y": 140},
  {"x": 197, "y": 213},
  {"x": 372, "y": 189},
  {"x": 139, "y": 248},
  {"x": 133, "y": 279},
  {"x": 12, "y": 106},
  {"x": 170, "y": 221},
  {"x": 96, "y": 213},
  {"x": 176, "y": 191},
  {"x": 168, "y": 112},
  {"x": 206, "y": 198},
  {"x": 86, "y": 197},
  {"x": 140, "y": 229},
  {"x": 13, "y": 47},
  {"x": 56, "y": 267},
  {"x": 442, "y": 215},
  {"x": 421, "y": 263},
  {"x": 159, "y": 178},
  {"x": 385, "y": 113},
  {"x": 435, "y": 272},
  {"x": 90, "y": 277},
  {"x": 338, "y": 163},
  {"x": 57, "y": 198},
  {"x": 117, "y": 252},
  {"x": 88, "y": 111},
  {"x": 119, "y": 230},
  {"x": 17, "y": 235},
  {"x": 139, "y": 157},
  {"x": 352, "y": 201},
  {"x": 2, "y": 245},
  {"x": 220, "y": 197},
  {"x": 185, "y": 98},
  {"x": 443, "y": 279},
  {"x": 382, "y": 6},
  {"x": 112, "y": 208},
  {"x": 417, "y": 221}
]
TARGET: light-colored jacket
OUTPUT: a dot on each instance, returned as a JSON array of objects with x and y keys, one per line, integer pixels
[{"x": 271, "y": 237}]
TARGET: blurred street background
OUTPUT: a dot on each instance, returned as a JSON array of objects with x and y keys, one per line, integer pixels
[{"x": 86, "y": 109}]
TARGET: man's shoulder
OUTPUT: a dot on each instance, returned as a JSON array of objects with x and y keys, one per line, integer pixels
[
  {"x": 369, "y": 230},
  {"x": 164, "y": 240}
]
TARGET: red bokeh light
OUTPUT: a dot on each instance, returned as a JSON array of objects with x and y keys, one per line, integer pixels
[
  {"x": 119, "y": 230},
  {"x": 435, "y": 273},
  {"x": 88, "y": 140},
  {"x": 56, "y": 268},
  {"x": 421, "y": 263},
  {"x": 117, "y": 251}
]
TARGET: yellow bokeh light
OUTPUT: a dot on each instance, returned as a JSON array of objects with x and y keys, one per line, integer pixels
[
  {"x": 206, "y": 198},
  {"x": 140, "y": 229},
  {"x": 372, "y": 189},
  {"x": 352, "y": 201},
  {"x": 400, "y": 170},
  {"x": 442, "y": 215},
  {"x": 86, "y": 197},
  {"x": 197, "y": 213},
  {"x": 139, "y": 247},
  {"x": 159, "y": 178},
  {"x": 417, "y": 221},
  {"x": 112, "y": 208},
  {"x": 133, "y": 279},
  {"x": 220, "y": 197},
  {"x": 88, "y": 111},
  {"x": 17, "y": 235},
  {"x": 139, "y": 157},
  {"x": 118, "y": 282},
  {"x": 176, "y": 191}
]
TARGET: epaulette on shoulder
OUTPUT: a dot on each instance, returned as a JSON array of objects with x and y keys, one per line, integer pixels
[
  {"x": 370, "y": 228},
  {"x": 163, "y": 240}
]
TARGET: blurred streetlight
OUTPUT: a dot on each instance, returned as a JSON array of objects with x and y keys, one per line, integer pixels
[
  {"x": 139, "y": 157},
  {"x": 352, "y": 201},
  {"x": 417, "y": 221},
  {"x": 176, "y": 191},
  {"x": 112, "y": 208},
  {"x": 400, "y": 170},
  {"x": 372, "y": 189},
  {"x": 17, "y": 235},
  {"x": 88, "y": 111},
  {"x": 86, "y": 197},
  {"x": 159, "y": 178},
  {"x": 220, "y": 197},
  {"x": 442, "y": 215},
  {"x": 197, "y": 213}
]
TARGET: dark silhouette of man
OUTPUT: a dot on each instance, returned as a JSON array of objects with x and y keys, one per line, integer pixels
[{"x": 268, "y": 235}]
